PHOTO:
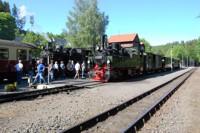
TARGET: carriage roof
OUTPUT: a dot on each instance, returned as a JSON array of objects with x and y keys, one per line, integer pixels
[{"x": 16, "y": 44}]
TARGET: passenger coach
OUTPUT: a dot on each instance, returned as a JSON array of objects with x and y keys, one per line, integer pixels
[{"x": 10, "y": 53}]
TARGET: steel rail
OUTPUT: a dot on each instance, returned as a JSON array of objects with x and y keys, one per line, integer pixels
[
  {"x": 41, "y": 92},
  {"x": 36, "y": 93},
  {"x": 102, "y": 116},
  {"x": 146, "y": 115}
]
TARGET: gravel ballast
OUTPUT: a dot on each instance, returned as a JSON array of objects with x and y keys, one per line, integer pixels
[
  {"x": 54, "y": 113},
  {"x": 180, "y": 114}
]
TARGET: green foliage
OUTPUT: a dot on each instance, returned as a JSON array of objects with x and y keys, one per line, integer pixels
[
  {"x": 7, "y": 26},
  {"x": 20, "y": 22},
  {"x": 147, "y": 45},
  {"x": 37, "y": 39},
  {"x": 4, "y": 6},
  {"x": 181, "y": 50},
  {"x": 85, "y": 24},
  {"x": 1, "y": 6}
]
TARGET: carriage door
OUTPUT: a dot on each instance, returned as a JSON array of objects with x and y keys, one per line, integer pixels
[{"x": 21, "y": 54}]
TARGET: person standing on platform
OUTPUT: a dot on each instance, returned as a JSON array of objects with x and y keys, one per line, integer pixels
[
  {"x": 62, "y": 68},
  {"x": 77, "y": 68},
  {"x": 40, "y": 73},
  {"x": 51, "y": 71},
  {"x": 56, "y": 69},
  {"x": 83, "y": 69},
  {"x": 19, "y": 69}
]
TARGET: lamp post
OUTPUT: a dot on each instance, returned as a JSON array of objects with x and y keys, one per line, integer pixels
[
  {"x": 182, "y": 62},
  {"x": 51, "y": 41},
  {"x": 47, "y": 52},
  {"x": 171, "y": 60}
]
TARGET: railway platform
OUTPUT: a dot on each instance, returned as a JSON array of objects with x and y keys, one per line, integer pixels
[{"x": 24, "y": 86}]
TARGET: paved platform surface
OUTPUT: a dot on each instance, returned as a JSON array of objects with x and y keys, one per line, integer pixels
[{"x": 57, "y": 83}]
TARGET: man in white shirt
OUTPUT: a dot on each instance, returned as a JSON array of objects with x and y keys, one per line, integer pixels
[
  {"x": 19, "y": 68},
  {"x": 56, "y": 69},
  {"x": 77, "y": 68}
]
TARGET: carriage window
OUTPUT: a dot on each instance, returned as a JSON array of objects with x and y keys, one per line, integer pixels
[
  {"x": 4, "y": 54},
  {"x": 21, "y": 54}
]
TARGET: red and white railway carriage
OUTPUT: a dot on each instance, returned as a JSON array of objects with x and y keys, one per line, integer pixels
[{"x": 10, "y": 53}]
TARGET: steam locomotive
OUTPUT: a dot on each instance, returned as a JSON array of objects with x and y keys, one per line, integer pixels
[
  {"x": 123, "y": 59},
  {"x": 68, "y": 55}
]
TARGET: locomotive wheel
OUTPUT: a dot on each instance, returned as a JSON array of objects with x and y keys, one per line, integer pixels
[{"x": 91, "y": 74}]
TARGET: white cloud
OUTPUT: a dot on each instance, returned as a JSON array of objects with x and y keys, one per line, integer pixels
[{"x": 23, "y": 12}]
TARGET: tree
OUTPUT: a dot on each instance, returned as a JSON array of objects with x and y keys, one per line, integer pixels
[
  {"x": 32, "y": 20},
  {"x": 147, "y": 45},
  {"x": 1, "y": 6},
  {"x": 4, "y": 6},
  {"x": 20, "y": 21},
  {"x": 35, "y": 38},
  {"x": 85, "y": 24},
  {"x": 7, "y": 26},
  {"x": 185, "y": 51},
  {"x": 14, "y": 11}
]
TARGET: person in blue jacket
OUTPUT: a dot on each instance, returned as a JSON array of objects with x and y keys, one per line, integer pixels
[{"x": 40, "y": 73}]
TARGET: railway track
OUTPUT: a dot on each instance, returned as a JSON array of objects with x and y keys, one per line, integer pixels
[
  {"x": 131, "y": 115},
  {"x": 7, "y": 97},
  {"x": 41, "y": 92}
]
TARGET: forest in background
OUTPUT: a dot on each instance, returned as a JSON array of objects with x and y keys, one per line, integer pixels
[{"x": 183, "y": 50}]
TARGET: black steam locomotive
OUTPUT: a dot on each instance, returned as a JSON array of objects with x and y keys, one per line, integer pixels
[
  {"x": 68, "y": 55},
  {"x": 112, "y": 61}
]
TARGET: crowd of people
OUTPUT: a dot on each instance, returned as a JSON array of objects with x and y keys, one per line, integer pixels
[{"x": 55, "y": 70}]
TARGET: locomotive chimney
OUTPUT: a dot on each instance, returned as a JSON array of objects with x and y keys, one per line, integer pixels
[{"x": 104, "y": 41}]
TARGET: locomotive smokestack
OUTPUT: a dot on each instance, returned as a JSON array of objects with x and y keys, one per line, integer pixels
[{"x": 104, "y": 41}]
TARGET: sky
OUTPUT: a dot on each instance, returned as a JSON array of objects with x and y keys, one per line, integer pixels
[{"x": 158, "y": 21}]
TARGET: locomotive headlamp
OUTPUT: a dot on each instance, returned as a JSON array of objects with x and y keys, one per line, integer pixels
[
  {"x": 108, "y": 61},
  {"x": 57, "y": 47},
  {"x": 97, "y": 48}
]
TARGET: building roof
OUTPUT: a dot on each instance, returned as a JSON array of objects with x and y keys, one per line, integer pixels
[
  {"x": 122, "y": 38},
  {"x": 16, "y": 44}
]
